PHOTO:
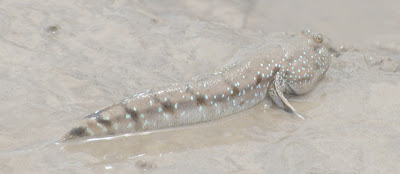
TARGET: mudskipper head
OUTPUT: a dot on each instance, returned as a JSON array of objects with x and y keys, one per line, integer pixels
[{"x": 309, "y": 63}]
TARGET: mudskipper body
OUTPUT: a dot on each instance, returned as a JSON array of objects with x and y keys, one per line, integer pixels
[{"x": 292, "y": 64}]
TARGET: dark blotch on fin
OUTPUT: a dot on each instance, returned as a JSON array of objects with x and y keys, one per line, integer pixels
[
  {"x": 78, "y": 131},
  {"x": 99, "y": 119},
  {"x": 258, "y": 80},
  {"x": 103, "y": 121},
  {"x": 200, "y": 100},
  {"x": 189, "y": 89},
  {"x": 91, "y": 116}
]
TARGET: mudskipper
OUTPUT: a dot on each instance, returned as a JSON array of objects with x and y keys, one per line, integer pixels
[{"x": 290, "y": 64}]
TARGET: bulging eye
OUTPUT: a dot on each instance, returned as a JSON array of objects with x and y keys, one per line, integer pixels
[{"x": 319, "y": 38}]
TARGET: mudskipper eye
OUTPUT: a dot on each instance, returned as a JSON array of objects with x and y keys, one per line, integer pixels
[{"x": 319, "y": 38}]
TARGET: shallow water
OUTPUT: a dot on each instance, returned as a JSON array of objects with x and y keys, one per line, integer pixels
[{"x": 62, "y": 60}]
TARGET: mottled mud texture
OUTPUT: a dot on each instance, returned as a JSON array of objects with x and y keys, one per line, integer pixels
[{"x": 61, "y": 60}]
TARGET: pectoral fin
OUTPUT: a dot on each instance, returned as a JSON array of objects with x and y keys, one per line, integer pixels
[{"x": 276, "y": 90}]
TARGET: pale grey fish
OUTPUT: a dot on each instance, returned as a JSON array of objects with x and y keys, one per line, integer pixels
[{"x": 292, "y": 64}]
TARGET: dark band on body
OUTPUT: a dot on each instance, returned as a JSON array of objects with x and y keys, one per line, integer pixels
[
  {"x": 168, "y": 106},
  {"x": 79, "y": 132},
  {"x": 134, "y": 114},
  {"x": 258, "y": 79}
]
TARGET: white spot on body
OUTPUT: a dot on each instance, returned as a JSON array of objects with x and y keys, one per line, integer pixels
[
  {"x": 145, "y": 123},
  {"x": 165, "y": 115},
  {"x": 103, "y": 129},
  {"x": 129, "y": 125},
  {"x": 90, "y": 131}
]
